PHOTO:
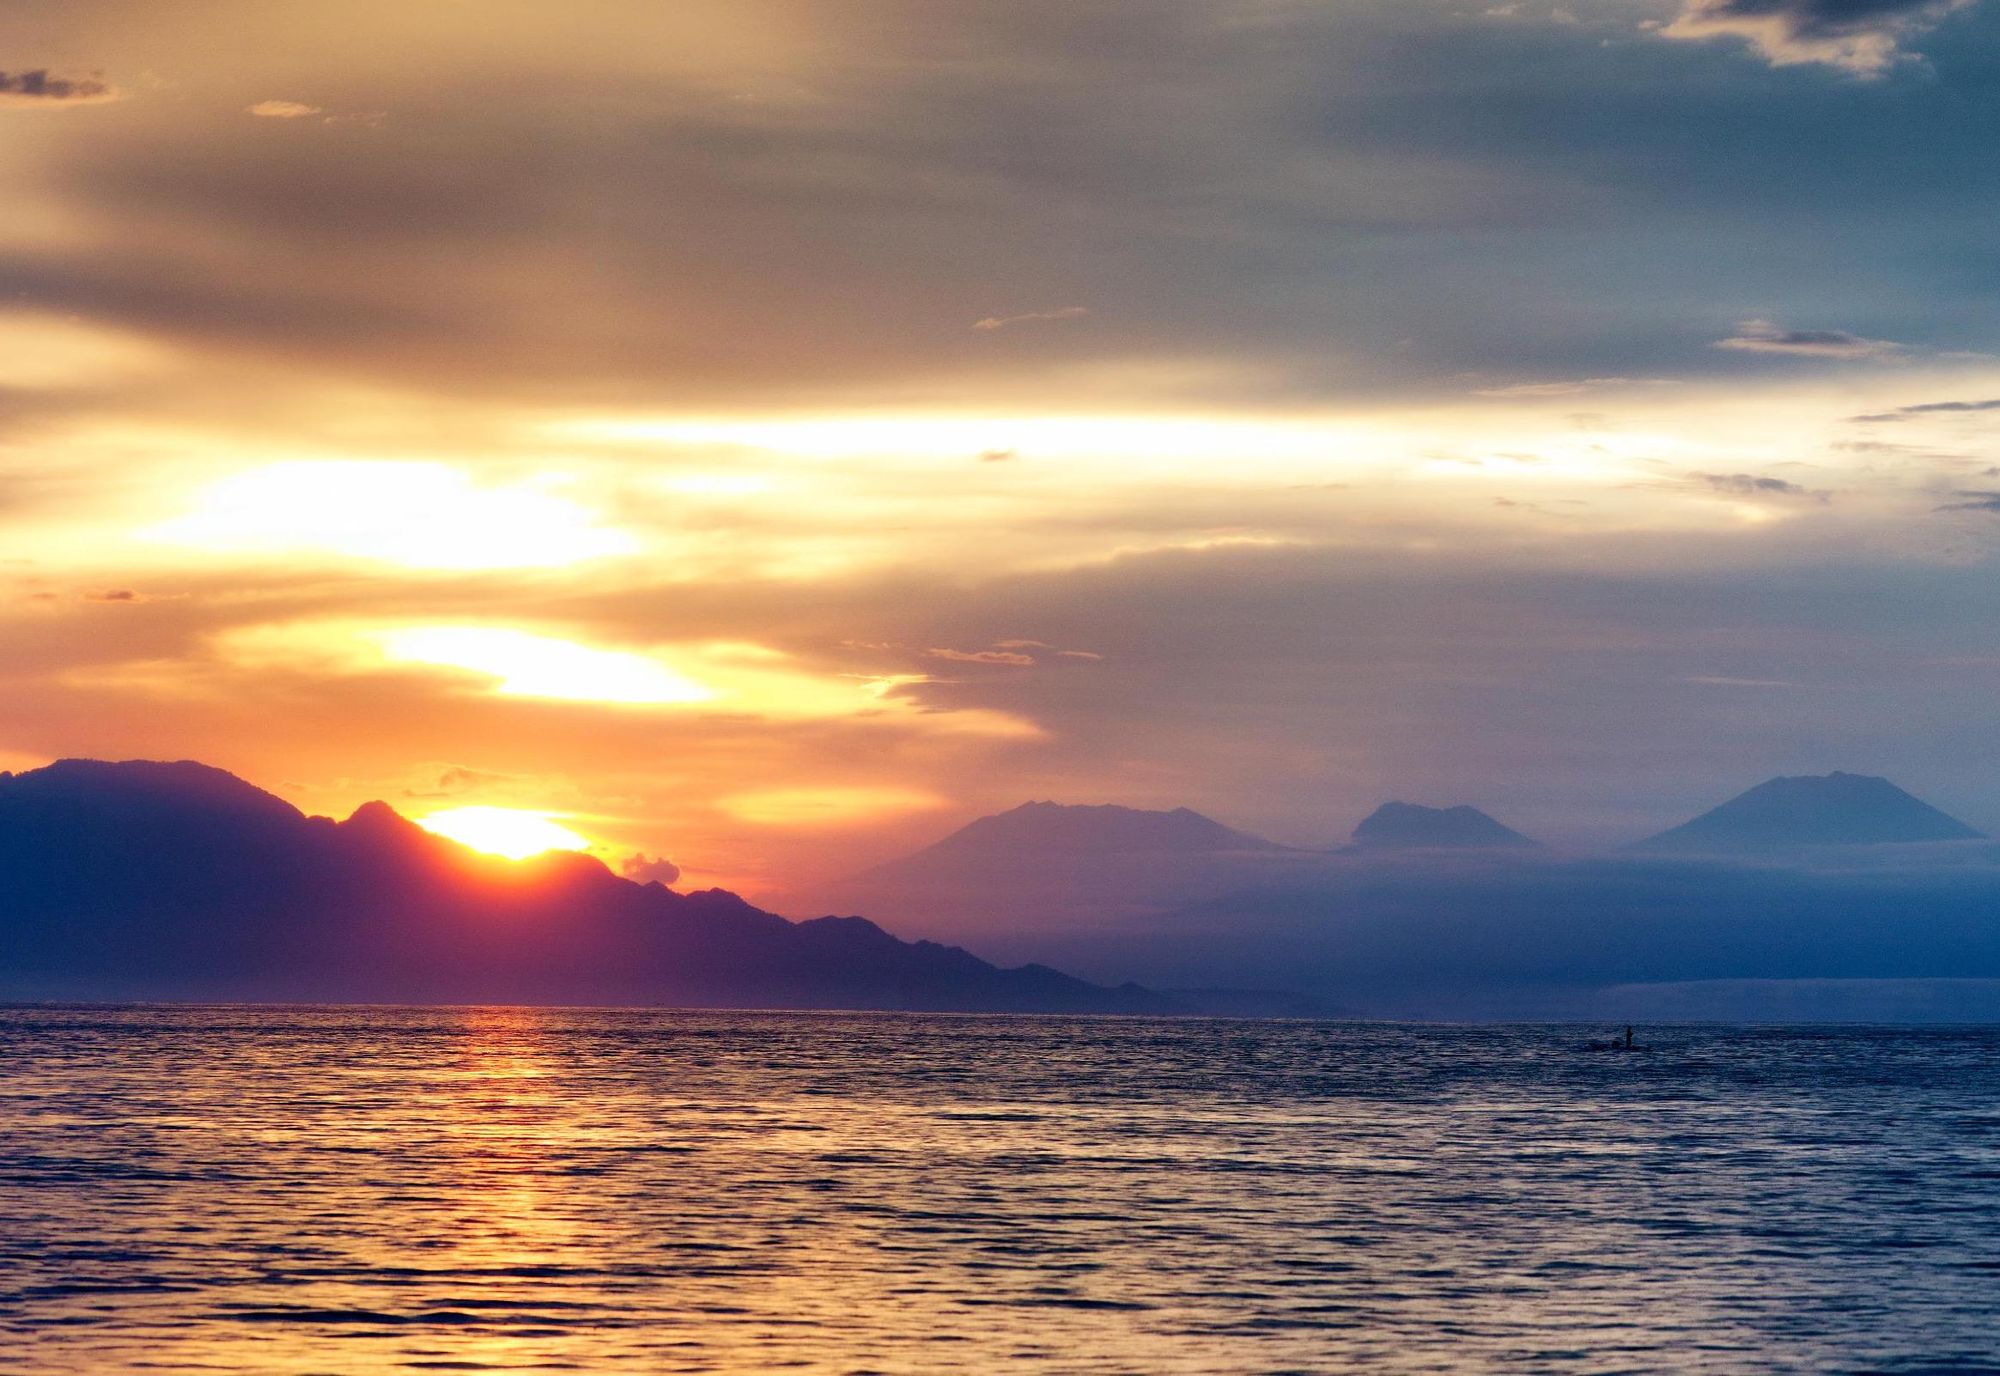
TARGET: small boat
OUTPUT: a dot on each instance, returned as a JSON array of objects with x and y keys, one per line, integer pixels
[{"x": 1616, "y": 1044}]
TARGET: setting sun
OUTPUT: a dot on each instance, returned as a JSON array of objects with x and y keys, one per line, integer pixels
[{"x": 513, "y": 833}]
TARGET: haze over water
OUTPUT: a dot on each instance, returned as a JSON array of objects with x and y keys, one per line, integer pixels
[{"x": 359, "y": 1190}]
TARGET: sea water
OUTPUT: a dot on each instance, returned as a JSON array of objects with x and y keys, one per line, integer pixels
[{"x": 348, "y": 1190}]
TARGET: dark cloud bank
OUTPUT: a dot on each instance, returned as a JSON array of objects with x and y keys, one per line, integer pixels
[{"x": 1300, "y": 198}]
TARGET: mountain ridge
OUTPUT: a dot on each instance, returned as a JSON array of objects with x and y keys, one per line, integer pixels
[
  {"x": 1096, "y": 826},
  {"x": 175, "y": 879}
]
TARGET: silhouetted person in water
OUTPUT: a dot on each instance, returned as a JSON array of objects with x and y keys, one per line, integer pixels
[{"x": 1628, "y": 1039}]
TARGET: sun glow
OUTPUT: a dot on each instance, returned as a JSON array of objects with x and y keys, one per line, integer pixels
[
  {"x": 526, "y": 665},
  {"x": 418, "y": 514},
  {"x": 826, "y": 806},
  {"x": 718, "y": 677},
  {"x": 514, "y": 833}
]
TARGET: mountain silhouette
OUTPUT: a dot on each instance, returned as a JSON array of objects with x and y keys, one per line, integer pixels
[
  {"x": 155, "y": 880},
  {"x": 1041, "y": 828},
  {"x": 1045, "y": 866},
  {"x": 1473, "y": 930},
  {"x": 1408, "y": 826},
  {"x": 1811, "y": 810}
]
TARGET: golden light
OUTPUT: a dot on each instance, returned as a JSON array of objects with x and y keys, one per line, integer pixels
[
  {"x": 826, "y": 806},
  {"x": 514, "y": 833},
  {"x": 418, "y": 514},
  {"x": 719, "y": 484},
  {"x": 739, "y": 678},
  {"x": 1183, "y": 443},
  {"x": 44, "y": 351},
  {"x": 523, "y": 664}
]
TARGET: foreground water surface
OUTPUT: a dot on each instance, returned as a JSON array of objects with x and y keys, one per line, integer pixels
[{"x": 348, "y": 1190}]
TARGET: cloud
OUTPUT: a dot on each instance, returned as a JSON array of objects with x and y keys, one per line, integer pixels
[
  {"x": 116, "y": 595},
  {"x": 996, "y": 455},
  {"x": 417, "y": 514},
  {"x": 1001, "y": 322},
  {"x": 1973, "y": 500},
  {"x": 38, "y": 88},
  {"x": 485, "y": 661},
  {"x": 1571, "y": 386},
  {"x": 281, "y": 109},
  {"x": 1932, "y": 408},
  {"x": 1008, "y": 657},
  {"x": 1017, "y": 654},
  {"x": 1860, "y": 36},
  {"x": 1750, "y": 485},
  {"x": 453, "y": 780},
  {"x": 1764, "y": 337},
  {"x": 641, "y": 870},
  {"x": 1310, "y": 131},
  {"x": 292, "y": 109},
  {"x": 1726, "y": 681}
]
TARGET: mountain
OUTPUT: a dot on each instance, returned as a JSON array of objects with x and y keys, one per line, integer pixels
[
  {"x": 155, "y": 880},
  {"x": 1812, "y": 810},
  {"x": 1408, "y": 826},
  {"x": 1044, "y": 828},
  {"x": 1040, "y": 868}
]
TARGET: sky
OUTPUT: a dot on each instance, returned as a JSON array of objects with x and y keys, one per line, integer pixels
[{"x": 762, "y": 437}]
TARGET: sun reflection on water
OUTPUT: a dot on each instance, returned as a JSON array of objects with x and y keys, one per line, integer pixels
[{"x": 351, "y": 1191}]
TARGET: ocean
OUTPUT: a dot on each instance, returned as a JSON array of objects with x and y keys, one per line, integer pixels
[{"x": 361, "y": 1190}]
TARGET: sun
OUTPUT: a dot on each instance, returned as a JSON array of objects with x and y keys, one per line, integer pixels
[{"x": 515, "y": 833}]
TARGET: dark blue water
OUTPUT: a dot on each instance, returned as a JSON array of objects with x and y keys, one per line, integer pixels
[{"x": 365, "y": 1190}]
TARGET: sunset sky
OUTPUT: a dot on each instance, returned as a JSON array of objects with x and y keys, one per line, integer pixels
[{"x": 766, "y": 435}]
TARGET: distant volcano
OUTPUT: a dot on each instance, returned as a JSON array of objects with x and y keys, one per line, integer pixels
[
  {"x": 1408, "y": 826},
  {"x": 1034, "y": 828},
  {"x": 1812, "y": 810},
  {"x": 1059, "y": 868}
]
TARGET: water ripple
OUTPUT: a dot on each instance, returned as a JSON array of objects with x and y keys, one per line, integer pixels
[{"x": 343, "y": 1191}]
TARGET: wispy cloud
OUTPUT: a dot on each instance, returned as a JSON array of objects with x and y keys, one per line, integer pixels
[
  {"x": 1017, "y": 654},
  {"x": 1012, "y": 658},
  {"x": 1766, "y": 337},
  {"x": 294, "y": 109},
  {"x": 1001, "y": 322},
  {"x": 1932, "y": 408},
  {"x": 1859, "y": 36},
  {"x": 1974, "y": 500},
  {"x": 40, "y": 88},
  {"x": 1727, "y": 681},
  {"x": 1571, "y": 386},
  {"x": 1750, "y": 485},
  {"x": 282, "y": 109}
]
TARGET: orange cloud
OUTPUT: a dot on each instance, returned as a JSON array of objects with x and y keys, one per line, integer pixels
[
  {"x": 1001, "y": 322},
  {"x": 282, "y": 109},
  {"x": 1008, "y": 657}
]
